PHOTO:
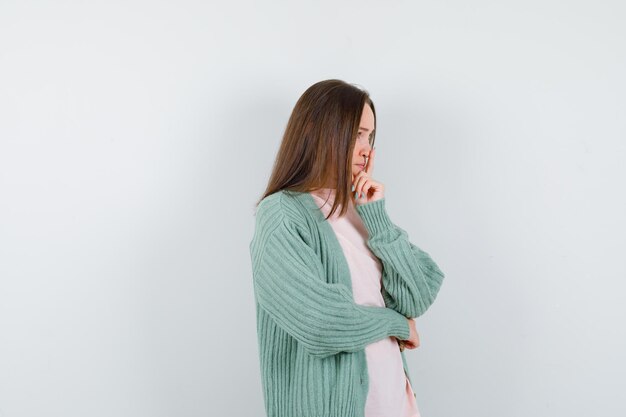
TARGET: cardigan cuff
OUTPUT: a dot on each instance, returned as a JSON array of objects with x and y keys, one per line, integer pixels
[
  {"x": 374, "y": 216},
  {"x": 399, "y": 325}
]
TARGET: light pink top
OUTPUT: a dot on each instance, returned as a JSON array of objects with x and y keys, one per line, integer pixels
[{"x": 390, "y": 393}]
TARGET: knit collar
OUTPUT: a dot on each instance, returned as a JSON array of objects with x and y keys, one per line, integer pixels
[{"x": 307, "y": 200}]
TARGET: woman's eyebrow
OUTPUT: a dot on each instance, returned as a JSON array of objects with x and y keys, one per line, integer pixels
[{"x": 363, "y": 128}]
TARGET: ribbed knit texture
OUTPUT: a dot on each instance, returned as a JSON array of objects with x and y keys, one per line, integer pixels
[{"x": 311, "y": 333}]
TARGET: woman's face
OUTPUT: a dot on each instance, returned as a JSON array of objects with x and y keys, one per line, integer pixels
[{"x": 362, "y": 146}]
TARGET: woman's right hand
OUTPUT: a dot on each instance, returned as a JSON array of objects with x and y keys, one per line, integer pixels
[{"x": 413, "y": 341}]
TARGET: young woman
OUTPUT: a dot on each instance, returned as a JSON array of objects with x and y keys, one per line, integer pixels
[{"x": 336, "y": 283}]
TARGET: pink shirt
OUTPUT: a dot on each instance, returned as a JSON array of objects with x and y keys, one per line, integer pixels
[{"x": 390, "y": 393}]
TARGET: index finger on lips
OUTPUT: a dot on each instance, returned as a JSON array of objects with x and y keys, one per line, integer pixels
[{"x": 370, "y": 162}]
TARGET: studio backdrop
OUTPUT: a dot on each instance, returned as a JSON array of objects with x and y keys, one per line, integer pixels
[{"x": 136, "y": 136}]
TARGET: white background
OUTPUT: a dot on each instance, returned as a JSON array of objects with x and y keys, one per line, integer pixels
[{"x": 136, "y": 136}]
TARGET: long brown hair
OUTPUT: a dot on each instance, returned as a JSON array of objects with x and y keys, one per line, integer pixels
[{"x": 319, "y": 140}]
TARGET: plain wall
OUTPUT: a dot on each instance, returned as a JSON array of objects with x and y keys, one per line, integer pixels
[{"x": 136, "y": 136}]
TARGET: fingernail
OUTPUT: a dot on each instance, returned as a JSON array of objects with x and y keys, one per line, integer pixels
[
  {"x": 356, "y": 195},
  {"x": 352, "y": 187},
  {"x": 361, "y": 196}
]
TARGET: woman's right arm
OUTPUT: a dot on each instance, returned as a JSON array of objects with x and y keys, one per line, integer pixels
[{"x": 289, "y": 284}]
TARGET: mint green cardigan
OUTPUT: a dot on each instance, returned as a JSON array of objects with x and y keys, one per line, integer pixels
[{"x": 311, "y": 333}]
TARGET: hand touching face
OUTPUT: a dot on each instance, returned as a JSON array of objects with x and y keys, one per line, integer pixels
[{"x": 366, "y": 189}]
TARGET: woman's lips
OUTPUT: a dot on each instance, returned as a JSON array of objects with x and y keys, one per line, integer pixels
[{"x": 360, "y": 166}]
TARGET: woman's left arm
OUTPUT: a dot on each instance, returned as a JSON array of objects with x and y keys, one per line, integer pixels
[{"x": 411, "y": 279}]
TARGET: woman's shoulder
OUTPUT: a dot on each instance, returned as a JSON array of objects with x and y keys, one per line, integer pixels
[
  {"x": 281, "y": 206},
  {"x": 280, "y": 211}
]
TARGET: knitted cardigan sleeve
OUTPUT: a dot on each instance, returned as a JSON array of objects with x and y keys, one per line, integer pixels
[
  {"x": 411, "y": 279},
  {"x": 289, "y": 284}
]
